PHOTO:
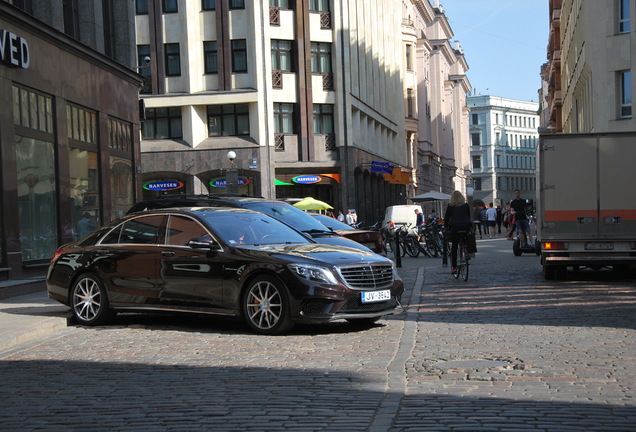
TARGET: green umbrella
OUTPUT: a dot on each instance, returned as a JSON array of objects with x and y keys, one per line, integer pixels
[{"x": 310, "y": 203}]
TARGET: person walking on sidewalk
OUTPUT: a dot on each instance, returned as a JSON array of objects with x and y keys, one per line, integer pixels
[
  {"x": 456, "y": 218},
  {"x": 491, "y": 215}
]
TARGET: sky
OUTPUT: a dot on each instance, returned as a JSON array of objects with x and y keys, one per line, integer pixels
[{"x": 504, "y": 43}]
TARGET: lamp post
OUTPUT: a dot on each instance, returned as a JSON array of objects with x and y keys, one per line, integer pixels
[{"x": 231, "y": 179}]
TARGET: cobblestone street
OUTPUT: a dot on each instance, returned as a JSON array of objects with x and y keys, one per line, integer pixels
[{"x": 504, "y": 351}]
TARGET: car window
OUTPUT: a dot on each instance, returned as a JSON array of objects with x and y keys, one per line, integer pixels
[
  {"x": 250, "y": 229},
  {"x": 182, "y": 229},
  {"x": 289, "y": 214},
  {"x": 332, "y": 223},
  {"x": 141, "y": 230}
]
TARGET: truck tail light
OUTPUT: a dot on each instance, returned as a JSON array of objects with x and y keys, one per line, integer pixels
[{"x": 554, "y": 245}]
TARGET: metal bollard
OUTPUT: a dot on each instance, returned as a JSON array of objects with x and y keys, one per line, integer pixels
[
  {"x": 445, "y": 250},
  {"x": 398, "y": 255}
]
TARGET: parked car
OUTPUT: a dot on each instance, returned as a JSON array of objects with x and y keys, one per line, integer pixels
[
  {"x": 280, "y": 210},
  {"x": 223, "y": 261},
  {"x": 370, "y": 238}
]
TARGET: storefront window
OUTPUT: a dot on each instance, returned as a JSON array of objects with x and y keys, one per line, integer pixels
[
  {"x": 84, "y": 192},
  {"x": 35, "y": 162}
]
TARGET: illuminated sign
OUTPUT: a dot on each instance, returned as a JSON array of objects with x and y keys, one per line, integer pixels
[
  {"x": 162, "y": 186},
  {"x": 222, "y": 182},
  {"x": 307, "y": 179},
  {"x": 14, "y": 50}
]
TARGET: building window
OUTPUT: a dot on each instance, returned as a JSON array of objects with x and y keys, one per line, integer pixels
[
  {"x": 475, "y": 118},
  {"x": 162, "y": 123},
  {"x": 409, "y": 102},
  {"x": 477, "y": 183},
  {"x": 323, "y": 119},
  {"x": 476, "y": 162},
  {"x": 626, "y": 94},
  {"x": 228, "y": 120},
  {"x": 32, "y": 110},
  {"x": 169, "y": 6},
  {"x": 320, "y": 58},
  {"x": 475, "y": 139},
  {"x": 409, "y": 57},
  {"x": 283, "y": 4},
  {"x": 237, "y": 4},
  {"x": 141, "y": 7},
  {"x": 239, "y": 55},
  {"x": 284, "y": 118},
  {"x": 173, "y": 59},
  {"x": 623, "y": 16},
  {"x": 319, "y": 5},
  {"x": 81, "y": 124},
  {"x": 208, "y": 4},
  {"x": 281, "y": 55},
  {"x": 143, "y": 52},
  {"x": 210, "y": 57}
]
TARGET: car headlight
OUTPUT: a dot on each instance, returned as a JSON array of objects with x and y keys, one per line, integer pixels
[{"x": 314, "y": 273}]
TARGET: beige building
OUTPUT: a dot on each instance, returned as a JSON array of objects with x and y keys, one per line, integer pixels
[
  {"x": 306, "y": 93},
  {"x": 436, "y": 87},
  {"x": 588, "y": 80}
]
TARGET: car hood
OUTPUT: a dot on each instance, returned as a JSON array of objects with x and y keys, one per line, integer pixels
[
  {"x": 318, "y": 253},
  {"x": 337, "y": 240}
]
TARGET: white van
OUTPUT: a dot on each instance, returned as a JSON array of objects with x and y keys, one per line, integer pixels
[{"x": 400, "y": 215}]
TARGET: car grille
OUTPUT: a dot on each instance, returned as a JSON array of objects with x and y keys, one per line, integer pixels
[{"x": 368, "y": 276}]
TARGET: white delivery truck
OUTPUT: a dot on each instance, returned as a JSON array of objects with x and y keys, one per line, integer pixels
[{"x": 587, "y": 202}]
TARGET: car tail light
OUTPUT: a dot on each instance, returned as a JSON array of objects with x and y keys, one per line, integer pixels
[
  {"x": 56, "y": 255},
  {"x": 391, "y": 224},
  {"x": 554, "y": 245}
]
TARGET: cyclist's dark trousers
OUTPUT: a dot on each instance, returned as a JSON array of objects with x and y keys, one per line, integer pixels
[{"x": 454, "y": 242}]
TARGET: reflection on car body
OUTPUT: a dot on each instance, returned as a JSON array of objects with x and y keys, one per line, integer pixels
[{"x": 188, "y": 260}]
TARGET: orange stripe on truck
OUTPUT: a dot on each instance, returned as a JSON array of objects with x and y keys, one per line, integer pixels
[{"x": 573, "y": 215}]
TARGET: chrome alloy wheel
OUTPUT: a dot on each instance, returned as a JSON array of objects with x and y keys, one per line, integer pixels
[
  {"x": 89, "y": 301},
  {"x": 265, "y": 306}
]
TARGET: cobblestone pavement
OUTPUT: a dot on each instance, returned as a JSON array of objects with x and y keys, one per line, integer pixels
[{"x": 505, "y": 351}]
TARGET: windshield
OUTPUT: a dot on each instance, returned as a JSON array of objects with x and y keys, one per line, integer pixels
[
  {"x": 236, "y": 228},
  {"x": 288, "y": 214},
  {"x": 332, "y": 223}
]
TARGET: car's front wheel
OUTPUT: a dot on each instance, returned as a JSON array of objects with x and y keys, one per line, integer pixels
[
  {"x": 89, "y": 301},
  {"x": 266, "y": 306}
]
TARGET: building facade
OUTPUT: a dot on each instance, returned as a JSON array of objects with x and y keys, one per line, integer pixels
[
  {"x": 504, "y": 137},
  {"x": 592, "y": 51},
  {"x": 305, "y": 92},
  {"x": 436, "y": 86},
  {"x": 70, "y": 126}
]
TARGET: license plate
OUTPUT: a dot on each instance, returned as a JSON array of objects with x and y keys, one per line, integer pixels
[
  {"x": 599, "y": 246},
  {"x": 376, "y": 296}
]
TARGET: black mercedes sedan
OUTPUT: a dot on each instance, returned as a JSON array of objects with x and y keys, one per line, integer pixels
[{"x": 222, "y": 261}]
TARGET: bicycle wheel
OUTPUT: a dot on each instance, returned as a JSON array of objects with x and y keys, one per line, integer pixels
[
  {"x": 411, "y": 246},
  {"x": 462, "y": 267},
  {"x": 460, "y": 261}
]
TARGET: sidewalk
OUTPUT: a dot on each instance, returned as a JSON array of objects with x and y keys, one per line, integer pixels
[{"x": 26, "y": 317}]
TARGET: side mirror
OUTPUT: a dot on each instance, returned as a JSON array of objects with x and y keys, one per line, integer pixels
[{"x": 204, "y": 242}]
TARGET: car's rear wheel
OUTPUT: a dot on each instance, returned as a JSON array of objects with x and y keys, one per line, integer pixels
[
  {"x": 89, "y": 301},
  {"x": 266, "y": 306}
]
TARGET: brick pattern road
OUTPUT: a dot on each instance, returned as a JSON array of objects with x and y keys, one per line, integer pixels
[{"x": 504, "y": 351}]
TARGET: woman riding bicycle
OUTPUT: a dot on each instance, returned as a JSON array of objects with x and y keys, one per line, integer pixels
[{"x": 456, "y": 219}]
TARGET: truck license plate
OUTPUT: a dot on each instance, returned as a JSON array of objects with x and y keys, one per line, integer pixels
[
  {"x": 376, "y": 296},
  {"x": 599, "y": 246}
]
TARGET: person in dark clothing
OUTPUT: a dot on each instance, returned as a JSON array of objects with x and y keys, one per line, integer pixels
[
  {"x": 518, "y": 209},
  {"x": 499, "y": 219},
  {"x": 456, "y": 219},
  {"x": 477, "y": 220},
  {"x": 419, "y": 223}
]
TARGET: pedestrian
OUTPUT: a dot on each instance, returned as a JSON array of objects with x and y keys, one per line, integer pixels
[
  {"x": 341, "y": 216},
  {"x": 477, "y": 220},
  {"x": 351, "y": 217},
  {"x": 509, "y": 222},
  {"x": 484, "y": 219},
  {"x": 456, "y": 220},
  {"x": 499, "y": 219},
  {"x": 419, "y": 224},
  {"x": 330, "y": 214},
  {"x": 491, "y": 215}
]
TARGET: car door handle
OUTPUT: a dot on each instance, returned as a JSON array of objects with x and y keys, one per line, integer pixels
[{"x": 168, "y": 253}]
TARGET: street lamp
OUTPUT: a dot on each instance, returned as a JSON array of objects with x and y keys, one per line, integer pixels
[{"x": 231, "y": 179}]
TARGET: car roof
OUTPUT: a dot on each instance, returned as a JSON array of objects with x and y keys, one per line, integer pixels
[{"x": 166, "y": 201}]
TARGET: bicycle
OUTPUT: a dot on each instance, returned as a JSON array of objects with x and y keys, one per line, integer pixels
[{"x": 463, "y": 257}]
